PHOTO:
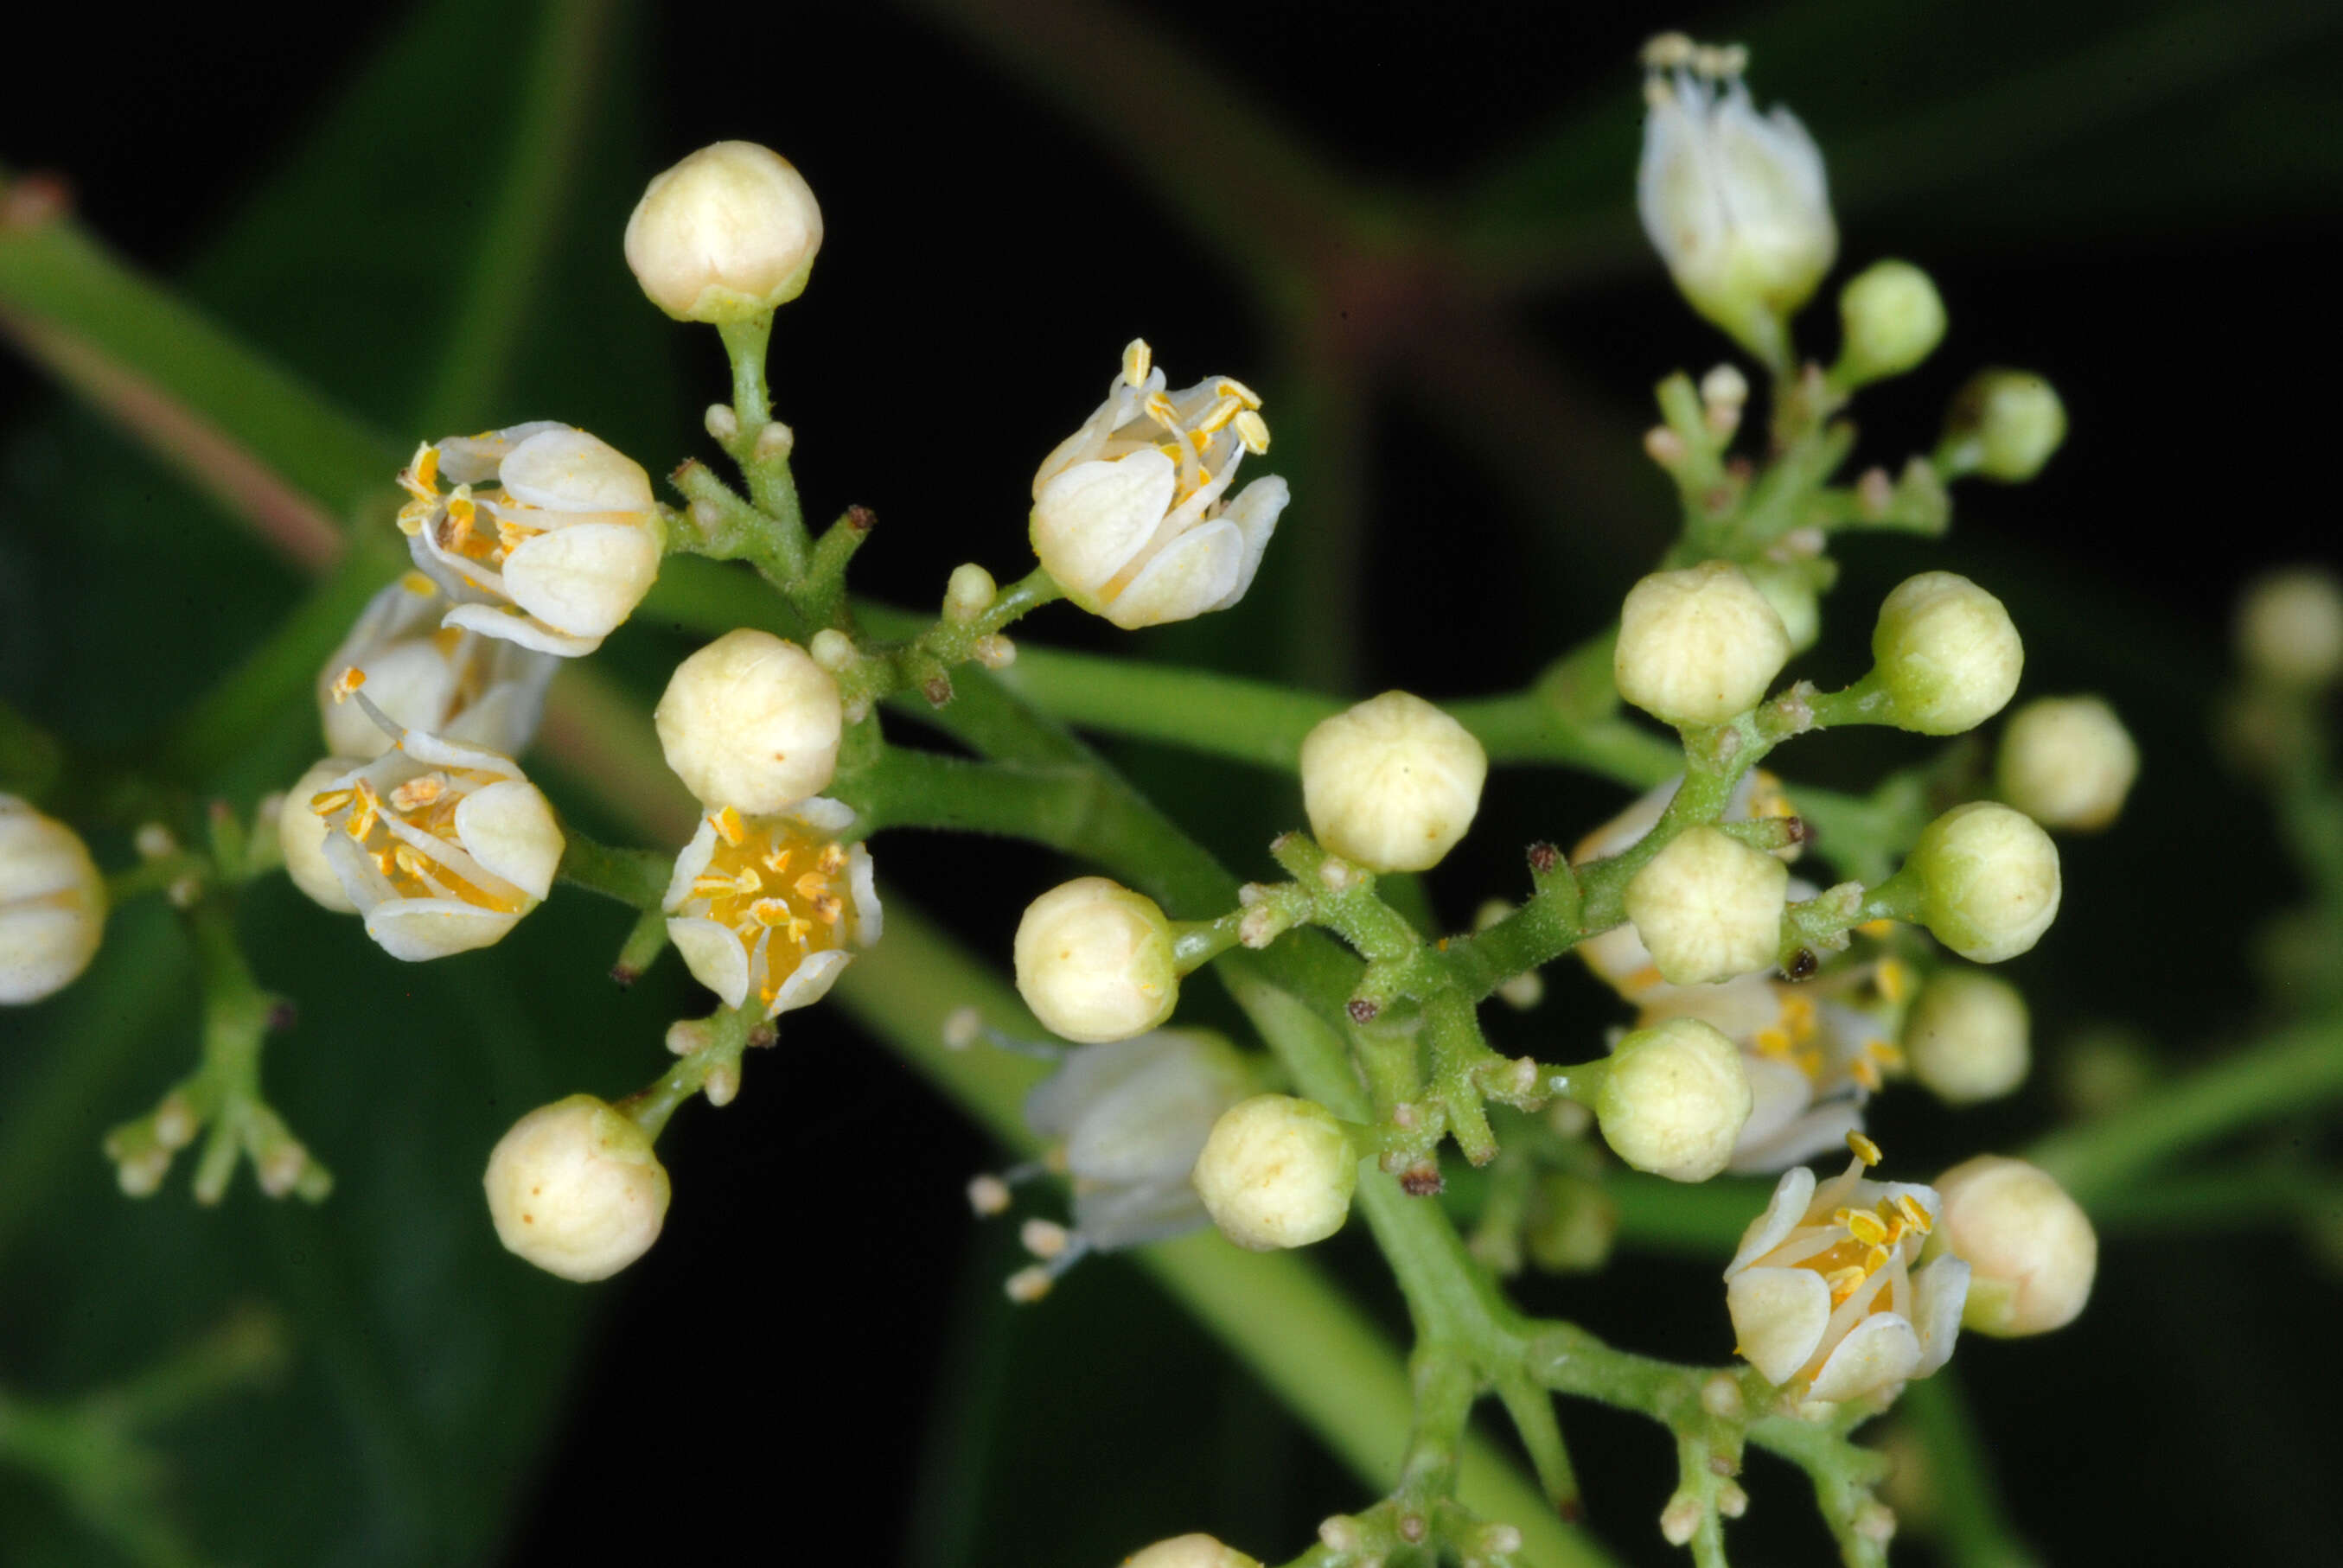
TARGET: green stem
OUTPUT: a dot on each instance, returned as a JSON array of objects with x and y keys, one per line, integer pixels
[
  {"x": 637, "y": 877},
  {"x": 729, "y": 1033}
]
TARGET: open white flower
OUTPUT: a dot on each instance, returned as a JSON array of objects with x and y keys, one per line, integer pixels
[
  {"x": 772, "y": 905},
  {"x": 1132, "y": 513},
  {"x": 51, "y": 904},
  {"x": 447, "y": 681},
  {"x": 443, "y": 848},
  {"x": 1824, "y": 1298},
  {"x": 554, "y": 548}
]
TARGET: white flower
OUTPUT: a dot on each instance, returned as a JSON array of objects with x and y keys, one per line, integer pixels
[
  {"x": 443, "y": 848},
  {"x": 2290, "y": 627},
  {"x": 1674, "y": 1098},
  {"x": 1698, "y": 646},
  {"x": 2068, "y": 762},
  {"x": 1822, "y": 1293},
  {"x": 750, "y": 721},
  {"x": 1945, "y": 653},
  {"x": 1277, "y": 1171},
  {"x": 1392, "y": 783},
  {"x": 728, "y": 233},
  {"x": 1128, "y": 512},
  {"x": 773, "y": 905},
  {"x": 1967, "y": 1038},
  {"x": 1735, "y": 202},
  {"x": 575, "y": 1189},
  {"x": 1990, "y": 880},
  {"x": 447, "y": 681},
  {"x": 554, "y": 550},
  {"x": 51, "y": 904},
  {"x": 1094, "y": 961},
  {"x": 2030, "y": 1248},
  {"x": 1709, "y": 908}
]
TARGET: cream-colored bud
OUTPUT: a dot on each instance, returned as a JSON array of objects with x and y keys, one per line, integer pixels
[
  {"x": 750, "y": 721},
  {"x": 969, "y": 593},
  {"x": 2068, "y": 762},
  {"x": 575, "y": 1189},
  {"x": 2290, "y": 627},
  {"x": 1392, "y": 783},
  {"x": 51, "y": 904},
  {"x": 1094, "y": 961},
  {"x": 1190, "y": 1551},
  {"x": 1966, "y": 1038},
  {"x": 1709, "y": 908},
  {"x": 1698, "y": 646},
  {"x": 2031, "y": 1251},
  {"x": 725, "y": 235},
  {"x": 1946, "y": 652},
  {"x": 301, "y": 836},
  {"x": 1894, "y": 318},
  {"x": 2004, "y": 424},
  {"x": 1277, "y": 1171},
  {"x": 1674, "y": 1098},
  {"x": 1991, "y": 879}
]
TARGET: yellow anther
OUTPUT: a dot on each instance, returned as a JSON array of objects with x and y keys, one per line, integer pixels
[
  {"x": 1137, "y": 360},
  {"x": 831, "y": 860},
  {"x": 1914, "y": 1212},
  {"x": 727, "y": 825},
  {"x": 1773, "y": 1042},
  {"x": 1230, "y": 387},
  {"x": 408, "y": 860},
  {"x": 799, "y": 930},
  {"x": 769, "y": 911},
  {"x": 1894, "y": 979},
  {"x": 1866, "y": 1071},
  {"x": 1254, "y": 431},
  {"x": 1159, "y": 409},
  {"x": 350, "y": 680},
  {"x": 1884, "y": 1053},
  {"x": 813, "y": 885},
  {"x": 419, "y": 791},
  {"x": 364, "y": 814},
  {"x": 1875, "y": 1259},
  {"x": 1867, "y": 1229},
  {"x": 331, "y": 801},
  {"x": 1843, "y": 1282},
  {"x": 828, "y": 908},
  {"x": 1865, "y": 1148},
  {"x": 777, "y": 861},
  {"x": 386, "y": 861},
  {"x": 1876, "y": 929},
  {"x": 1216, "y": 417},
  {"x": 1799, "y": 1015},
  {"x": 418, "y": 584}
]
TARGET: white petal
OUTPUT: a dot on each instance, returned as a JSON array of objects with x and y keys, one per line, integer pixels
[
  {"x": 1090, "y": 520},
  {"x": 1820, "y": 1131},
  {"x": 822, "y": 814},
  {"x": 474, "y": 459},
  {"x": 507, "y": 627},
  {"x": 1254, "y": 511},
  {"x": 714, "y": 956},
  {"x": 1194, "y": 573},
  {"x": 688, "y": 866},
  {"x": 438, "y": 751},
  {"x": 362, "y": 881},
  {"x": 566, "y": 470},
  {"x": 1791, "y": 1195},
  {"x": 42, "y": 949},
  {"x": 1939, "y": 1292},
  {"x": 509, "y": 829},
  {"x": 809, "y": 982},
  {"x": 1778, "y": 1316},
  {"x": 1879, "y": 1351},
  {"x": 869, "y": 919},
  {"x": 584, "y": 580},
  {"x": 419, "y": 929},
  {"x": 412, "y": 681}
]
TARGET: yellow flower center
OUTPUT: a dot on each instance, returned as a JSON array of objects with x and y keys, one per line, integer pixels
[
  {"x": 784, "y": 892},
  {"x": 410, "y": 835},
  {"x": 461, "y": 523}
]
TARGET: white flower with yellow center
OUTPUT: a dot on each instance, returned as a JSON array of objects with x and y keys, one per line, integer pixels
[
  {"x": 447, "y": 681},
  {"x": 772, "y": 907},
  {"x": 51, "y": 904},
  {"x": 1131, "y": 514},
  {"x": 1824, "y": 1297},
  {"x": 442, "y": 848},
  {"x": 549, "y": 538}
]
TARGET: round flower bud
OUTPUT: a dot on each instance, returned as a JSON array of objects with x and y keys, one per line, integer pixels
[
  {"x": 1277, "y": 1171},
  {"x": 2031, "y": 1252},
  {"x": 1894, "y": 318},
  {"x": 1991, "y": 880},
  {"x": 750, "y": 721},
  {"x": 2004, "y": 424},
  {"x": 1392, "y": 783},
  {"x": 2068, "y": 762},
  {"x": 727, "y": 234},
  {"x": 1190, "y": 1551},
  {"x": 301, "y": 835},
  {"x": 1709, "y": 908},
  {"x": 575, "y": 1189},
  {"x": 2290, "y": 627},
  {"x": 1094, "y": 961},
  {"x": 1966, "y": 1037},
  {"x": 1673, "y": 1100},
  {"x": 51, "y": 904},
  {"x": 1698, "y": 646},
  {"x": 1945, "y": 653}
]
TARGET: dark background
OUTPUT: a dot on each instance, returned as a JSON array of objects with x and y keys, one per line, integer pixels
[{"x": 2139, "y": 201}]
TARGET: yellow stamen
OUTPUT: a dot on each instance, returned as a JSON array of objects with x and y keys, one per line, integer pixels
[
  {"x": 419, "y": 791},
  {"x": 811, "y": 886},
  {"x": 331, "y": 801},
  {"x": 1865, "y": 1148},
  {"x": 1159, "y": 409},
  {"x": 418, "y": 584},
  {"x": 728, "y": 825},
  {"x": 1866, "y": 1229},
  {"x": 350, "y": 680},
  {"x": 1254, "y": 431},
  {"x": 1230, "y": 387},
  {"x": 1216, "y": 417},
  {"x": 1137, "y": 360},
  {"x": 1894, "y": 979}
]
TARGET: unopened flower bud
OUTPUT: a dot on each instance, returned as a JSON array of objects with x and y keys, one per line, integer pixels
[
  {"x": 1709, "y": 908},
  {"x": 1094, "y": 961},
  {"x": 750, "y": 721},
  {"x": 1673, "y": 1100},
  {"x": 575, "y": 1189},
  {"x": 1277, "y": 1171},
  {"x": 1392, "y": 783},
  {"x": 2031, "y": 1251},
  {"x": 2068, "y": 762},
  {"x": 1190, "y": 1551},
  {"x": 301, "y": 835},
  {"x": 1966, "y": 1037},
  {"x": 1698, "y": 646},
  {"x": 2004, "y": 425},
  {"x": 1945, "y": 653},
  {"x": 969, "y": 593},
  {"x": 729, "y": 233},
  {"x": 2290, "y": 627},
  {"x": 1991, "y": 880},
  {"x": 1894, "y": 318},
  {"x": 51, "y": 904}
]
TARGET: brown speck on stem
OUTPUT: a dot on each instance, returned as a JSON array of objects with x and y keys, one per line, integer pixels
[
  {"x": 937, "y": 689},
  {"x": 1362, "y": 1011},
  {"x": 1421, "y": 1180},
  {"x": 861, "y": 520},
  {"x": 623, "y": 976},
  {"x": 764, "y": 1034},
  {"x": 1802, "y": 965},
  {"x": 1543, "y": 858}
]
